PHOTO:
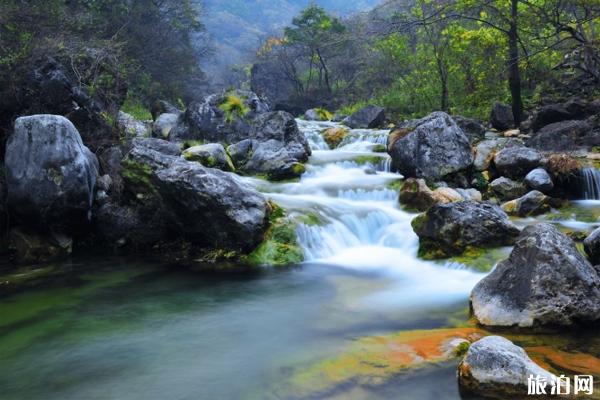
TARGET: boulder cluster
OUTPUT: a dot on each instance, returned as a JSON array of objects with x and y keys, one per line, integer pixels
[
  {"x": 467, "y": 181},
  {"x": 75, "y": 178}
]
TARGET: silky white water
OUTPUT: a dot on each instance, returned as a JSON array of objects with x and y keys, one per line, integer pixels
[
  {"x": 591, "y": 184},
  {"x": 362, "y": 227}
]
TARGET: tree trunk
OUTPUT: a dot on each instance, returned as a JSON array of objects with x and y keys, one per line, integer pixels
[
  {"x": 444, "y": 97},
  {"x": 514, "y": 74}
]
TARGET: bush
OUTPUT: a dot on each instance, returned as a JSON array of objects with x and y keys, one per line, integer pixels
[{"x": 233, "y": 106}]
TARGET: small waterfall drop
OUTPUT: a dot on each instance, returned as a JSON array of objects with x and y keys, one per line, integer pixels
[
  {"x": 591, "y": 183},
  {"x": 358, "y": 223}
]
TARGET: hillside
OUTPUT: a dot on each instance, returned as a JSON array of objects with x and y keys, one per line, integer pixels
[{"x": 238, "y": 26}]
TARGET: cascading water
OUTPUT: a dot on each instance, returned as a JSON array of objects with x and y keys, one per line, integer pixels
[
  {"x": 591, "y": 184},
  {"x": 361, "y": 225}
]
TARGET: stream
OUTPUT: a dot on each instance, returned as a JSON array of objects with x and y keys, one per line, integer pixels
[{"x": 122, "y": 328}]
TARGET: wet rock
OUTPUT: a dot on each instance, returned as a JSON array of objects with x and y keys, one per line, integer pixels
[
  {"x": 450, "y": 229},
  {"x": 516, "y": 162},
  {"x": 131, "y": 127},
  {"x": 162, "y": 126},
  {"x": 369, "y": 117},
  {"x": 507, "y": 189},
  {"x": 50, "y": 174},
  {"x": 417, "y": 195},
  {"x": 591, "y": 245},
  {"x": 206, "y": 206},
  {"x": 539, "y": 179},
  {"x": 545, "y": 282},
  {"x": 270, "y": 158},
  {"x": 431, "y": 148},
  {"x": 495, "y": 367},
  {"x": 533, "y": 203},
  {"x": 33, "y": 248},
  {"x": 565, "y": 135},
  {"x": 281, "y": 126},
  {"x": 334, "y": 136},
  {"x": 501, "y": 117},
  {"x": 211, "y": 155},
  {"x": 474, "y": 130}
]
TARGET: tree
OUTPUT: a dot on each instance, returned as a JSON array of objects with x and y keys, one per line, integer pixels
[{"x": 319, "y": 33}]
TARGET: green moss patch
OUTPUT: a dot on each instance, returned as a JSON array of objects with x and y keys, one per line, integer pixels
[
  {"x": 138, "y": 176},
  {"x": 280, "y": 246}
]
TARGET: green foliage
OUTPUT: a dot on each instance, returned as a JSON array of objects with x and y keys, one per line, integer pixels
[
  {"x": 233, "y": 106},
  {"x": 323, "y": 114},
  {"x": 136, "y": 109}
]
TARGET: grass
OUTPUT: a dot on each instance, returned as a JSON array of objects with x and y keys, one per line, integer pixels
[
  {"x": 136, "y": 109},
  {"x": 233, "y": 106}
]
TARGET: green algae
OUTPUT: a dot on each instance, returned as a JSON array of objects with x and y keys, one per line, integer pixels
[{"x": 482, "y": 259}]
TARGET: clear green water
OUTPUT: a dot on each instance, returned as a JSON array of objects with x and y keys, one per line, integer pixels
[{"x": 133, "y": 330}]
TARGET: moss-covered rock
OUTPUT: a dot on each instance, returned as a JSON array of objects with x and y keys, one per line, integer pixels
[
  {"x": 212, "y": 155},
  {"x": 334, "y": 136},
  {"x": 451, "y": 229}
]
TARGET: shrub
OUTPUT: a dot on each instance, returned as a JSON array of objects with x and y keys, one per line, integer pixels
[{"x": 233, "y": 106}]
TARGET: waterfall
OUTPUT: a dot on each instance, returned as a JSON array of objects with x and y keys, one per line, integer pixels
[
  {"x": 591, "y": 184},
  {"x": 358, "y": 222}
]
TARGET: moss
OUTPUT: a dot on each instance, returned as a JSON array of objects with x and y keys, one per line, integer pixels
[
  {"x": 233, "y": 106},
  {"x": 310, "y": 219},
  {"x": 482, "y": 259},
  {"x": 396, "y": 185},
  {"x": 367, "y": 159},
  {"x": 298, "y": 169},
  {"x": 191, "y": 143},
  {"x": 280, "y": 246},
  {"x": 323, "y": 114},
  {"x": 462, "y": 349},
  {"x": 136, "y": 109},
  {"x": 138, "y": 175},
  {"x": 379, "y": 148}
]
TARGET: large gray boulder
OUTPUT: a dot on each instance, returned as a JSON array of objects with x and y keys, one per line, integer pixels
[
  {"x": 501, "y": 117},
  {"x": 545, "y": 282},
  {"x": 431, "y": 148},
  {"x": 539, "y": 179},
  {"x": 50, "y": 174},
  {"x": 591, "y": 245},
  {"x": 495, "y": 367},
  {"x": 369, "y": 117},
  {"x": 450, "y": 229},
  {"x": 516, "y": 162},
  {"x": 565, "y": 135},
  {"x": 208, "y": 120},
  {"x": 270, "y": 158},
  {"x": 206, "y": 206},
  {"x": 282, "y": 127}
]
